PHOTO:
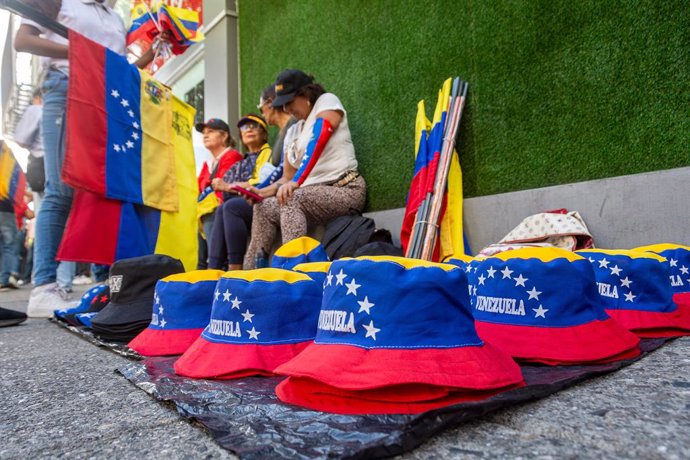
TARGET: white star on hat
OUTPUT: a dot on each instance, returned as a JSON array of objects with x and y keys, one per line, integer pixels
[
  {"x": 533, "y": 294},
  {"x": 603, "y": 263},
  {"x": 236, "y": 303},
  {"x": 673, "y": 262},
  {"x": 156, "y": 299},
  {"x": 491, "y": 272},
  {"x": 468, "y": 268},
  {"x": 590, "y": 259},
  {"x": 226, "y": 296},
  {"x": 329, "y": 279},
  {"x": 540, "y": 312},
  {"x": 520, "y": 281},
  {"x": 247, "y": 316},
  {"x": 217, "y": 293},
  {"x": 163, "y": 322},
  {"x": 626, "y": 282},
  {"x": 629, "y": 297},
  {"x": 684, "y": 270},
  {"x": 352, "y": 287},
  {"x": 340, "y": 277},
  {"x": 365, "y": 305},
  {"x": 253, "y": 333},
  {"x": 615, "y": 270},
  {"x": 506, "y": 273},
  {"x": 160, "y": 309},
  {"x": 371, "y": 330},
  {"x": 481, "y": 279}
]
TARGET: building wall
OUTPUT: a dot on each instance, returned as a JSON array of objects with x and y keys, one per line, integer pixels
[{"x": 560, "y": 91}]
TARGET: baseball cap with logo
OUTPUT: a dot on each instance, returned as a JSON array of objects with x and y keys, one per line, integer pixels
[
  {"x": 635, "y": 291},
  {"x": 260, "y": 319},
  {"x": 298, "y": 251},
  {"x": 68, "y": 315},
  {"x": 541, "y": 305},
  {"x": 132, "y": 284},
  {"x": 253, "y": 118},
  {"x": 678, "y": 257},
  {"x": 213, "y": 123},
  {"x": 395, "y": 335},
  {"x": 181, "y": 310},
  {"x": 288, "y": 83}
]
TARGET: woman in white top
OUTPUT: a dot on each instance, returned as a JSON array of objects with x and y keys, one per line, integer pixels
[
  {"x": 98, "y": 22},
  {"x": 320, "y": 181}
]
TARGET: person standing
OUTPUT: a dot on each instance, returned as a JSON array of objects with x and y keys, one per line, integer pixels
[{"x": 98, "y": 22}]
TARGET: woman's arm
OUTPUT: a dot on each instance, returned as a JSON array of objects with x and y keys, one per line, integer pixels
[{"x": 28, "y": 40}]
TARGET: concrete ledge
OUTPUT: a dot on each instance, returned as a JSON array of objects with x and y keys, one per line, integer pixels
[{"x": 621, "y": 212}]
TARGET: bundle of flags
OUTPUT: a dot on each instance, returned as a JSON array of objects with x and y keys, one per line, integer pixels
[
  {"x": 12, "y": 182},
  {"x": 432, "y": 226},
  {"x": 150, "y": 18},
  {"x": 130, "y": 160}
]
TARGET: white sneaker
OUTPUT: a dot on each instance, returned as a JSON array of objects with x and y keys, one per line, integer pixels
[
  {"x": 82, "y": 280},
  {"x": 46, "y": 299}
]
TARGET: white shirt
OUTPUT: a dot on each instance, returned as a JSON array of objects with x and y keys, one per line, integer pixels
[
  {"x": 337, "y": 158},
  {"x": 94, "y": 20},
  {"x": 27, "y": 133}
]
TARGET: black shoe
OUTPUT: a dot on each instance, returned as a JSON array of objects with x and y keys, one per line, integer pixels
[{"x": 11, "y": 317}]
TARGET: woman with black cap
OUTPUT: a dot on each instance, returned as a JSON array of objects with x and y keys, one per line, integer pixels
[
  {"x": 220, "y": 143},
  {"x": 320, "y": 180},
  {"x": 233, "y": 218}
]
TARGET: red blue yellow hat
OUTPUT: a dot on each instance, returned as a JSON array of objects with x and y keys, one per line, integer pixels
[
  {"x": 541, "y": 305},
  {"x": 298, "y": 251},
  {"x": 181, "y": 310},
  {"x": 678, "y": 257},
  {"x": 316, "y": 270},
  {"x": 260, "y": 319},
  {"x": 635, "y": 290},
  {"x": 395, "y": 335}
]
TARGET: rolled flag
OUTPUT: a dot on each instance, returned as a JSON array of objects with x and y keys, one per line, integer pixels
[
  {"x": 634, "y": 289},
  {"x": 542, "y": 305},
  {"x": 260, "y": 319},
  {"x": 298, "y": 251},
  {"x": 678, "y": 257},
  {"x": 395, "y": 335},
  {"x": 181, "y": 310},
  {"x": 68, "y": 314}
]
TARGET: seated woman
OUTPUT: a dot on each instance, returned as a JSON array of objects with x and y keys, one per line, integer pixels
[
  {"x": 233, "y": 218},
  {"x": 220, "y": 143},
  {"x": 320, "y": 179}
]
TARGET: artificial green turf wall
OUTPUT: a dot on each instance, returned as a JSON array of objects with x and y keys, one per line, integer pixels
[{"x": 560, "y": 91}]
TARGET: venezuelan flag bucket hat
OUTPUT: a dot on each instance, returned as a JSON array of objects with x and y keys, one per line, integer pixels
[
  {"x": 678, "y": 257},
  {"x": 298, "y": 251},
  {"x": 68, "y": 315},
  {"x": 316, "y": 270},
  {"x": 542, "y": 305},
  {"x": 395, "y": 335},
  {"x": 181, "y": 310},
  {"x": 260, "y": 319},
  {"x": 635, "y": 290}
]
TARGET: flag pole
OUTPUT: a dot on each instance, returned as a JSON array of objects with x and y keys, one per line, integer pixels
[{"x": 27, "y": 12}]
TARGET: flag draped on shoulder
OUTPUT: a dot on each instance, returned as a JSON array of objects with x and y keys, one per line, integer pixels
[
  {"x": 131, "y": 161},
  {"x": 119, "y": 129},
  {"x": 12, "y": 182}
]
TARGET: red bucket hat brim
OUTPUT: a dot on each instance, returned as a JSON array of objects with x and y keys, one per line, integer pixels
[
  {"x": 472, "y": 367},
  {"x": 652, "y": 324},
  {"x": 682, "y": 299},
  {"x": 209, "y": 360},
  {"x": 596, "y": 342},
  {"x": 394, "y": 399},
  {"x": 155, "y": 342}
]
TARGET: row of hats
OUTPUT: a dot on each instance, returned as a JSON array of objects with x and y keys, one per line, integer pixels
[{"x": 402, "y": 335}]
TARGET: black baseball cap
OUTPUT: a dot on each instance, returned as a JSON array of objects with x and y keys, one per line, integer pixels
[
  {"x": 253, "y": 118},
  {"x": 288, "y": 83},
  {"x": 213, "y": 123}
]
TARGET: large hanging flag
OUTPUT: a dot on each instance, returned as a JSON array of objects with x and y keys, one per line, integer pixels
[
  {"x": 119, "y": 129},
  {"x": 102, "y": 230},
  {"x": 12, "y": 182}
]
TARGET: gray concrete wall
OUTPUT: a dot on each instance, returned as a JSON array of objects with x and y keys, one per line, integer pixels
[{"x": 621, "y": 212}]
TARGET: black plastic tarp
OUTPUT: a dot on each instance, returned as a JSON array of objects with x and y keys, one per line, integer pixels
[
  {"x": 116, "y": 347},
  {"x": 245, "y": 416}
]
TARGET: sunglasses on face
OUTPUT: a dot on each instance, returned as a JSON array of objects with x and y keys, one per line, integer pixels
[{"x": 248, "y": 126}]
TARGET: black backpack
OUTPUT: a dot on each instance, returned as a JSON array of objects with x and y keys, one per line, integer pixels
[{"x": 345, "y": 234}]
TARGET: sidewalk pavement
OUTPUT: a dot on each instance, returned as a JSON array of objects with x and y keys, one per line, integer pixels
[{"x": 61, "y": 397}]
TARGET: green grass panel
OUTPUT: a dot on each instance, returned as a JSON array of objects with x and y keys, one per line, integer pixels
[{"x": 560, "y": 91}]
